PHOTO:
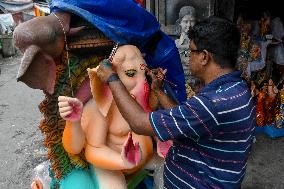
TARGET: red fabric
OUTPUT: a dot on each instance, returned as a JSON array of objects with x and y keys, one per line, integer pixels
[
  {"x": 260, "y": 118},
  {"x": 141, "y": 2},
  {"x": 146, "y": 97}
]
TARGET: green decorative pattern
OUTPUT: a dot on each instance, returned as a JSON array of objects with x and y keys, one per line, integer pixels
[{"x": 52, "y": 125}]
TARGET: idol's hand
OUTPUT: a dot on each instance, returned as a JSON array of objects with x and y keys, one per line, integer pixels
[{"x": 70, "y": 109}]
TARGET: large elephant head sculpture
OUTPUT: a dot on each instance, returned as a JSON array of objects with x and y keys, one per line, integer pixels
[{"x": 42, "y": 41}]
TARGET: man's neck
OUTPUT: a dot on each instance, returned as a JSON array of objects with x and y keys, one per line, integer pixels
[{"x": 212, "y": 74}]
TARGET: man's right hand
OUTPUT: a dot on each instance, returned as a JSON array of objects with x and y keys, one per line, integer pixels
[
  {"x": 70, "y": 109},
  {"x": 157, "y": 76}
]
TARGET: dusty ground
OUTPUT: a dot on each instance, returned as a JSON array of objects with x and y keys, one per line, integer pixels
[
  {"x": 20, "y": 138},
  {"x": 21, "y": 142},
  {"x": 265, "y": 166}
]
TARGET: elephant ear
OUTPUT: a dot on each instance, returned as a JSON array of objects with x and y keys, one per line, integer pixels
[
  {"x": 100, "y": 91},
  {"x": 37, "y": 69}
]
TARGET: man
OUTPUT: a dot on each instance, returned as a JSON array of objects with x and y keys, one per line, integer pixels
[{"x": 212, "y": 132}]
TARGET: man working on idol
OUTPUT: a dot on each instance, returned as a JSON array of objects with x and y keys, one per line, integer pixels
[{"x": 212, "y": 132}]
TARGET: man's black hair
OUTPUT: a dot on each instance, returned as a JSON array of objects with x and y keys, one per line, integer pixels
[{"x": 219, "y": 36}]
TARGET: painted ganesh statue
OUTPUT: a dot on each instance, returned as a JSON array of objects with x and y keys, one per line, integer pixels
[
  {"x": 99, "y": 129},
  {"x": 93, "y": 147}
]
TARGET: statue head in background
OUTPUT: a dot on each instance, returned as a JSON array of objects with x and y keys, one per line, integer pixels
[{"x": 187, "y": 19}]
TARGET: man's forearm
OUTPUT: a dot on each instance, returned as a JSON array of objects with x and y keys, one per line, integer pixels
[
  {"x": 131, "y": 111},
  {"x": 153, "y": 101},
  {"x": 165, "y": 101}
]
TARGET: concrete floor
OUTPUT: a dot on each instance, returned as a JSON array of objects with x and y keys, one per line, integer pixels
[
  {"x": 266, "y": 164},
  {"x": 21, "y": 142}
]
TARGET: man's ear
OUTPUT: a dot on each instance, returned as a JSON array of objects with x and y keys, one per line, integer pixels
[{"x": 206, "y": 57}]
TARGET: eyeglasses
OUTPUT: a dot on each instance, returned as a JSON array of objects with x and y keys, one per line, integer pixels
[{"x": 188, "y": 53}]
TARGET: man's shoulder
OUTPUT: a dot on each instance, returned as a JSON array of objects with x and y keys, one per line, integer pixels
[{"x": 233, "y": 93}]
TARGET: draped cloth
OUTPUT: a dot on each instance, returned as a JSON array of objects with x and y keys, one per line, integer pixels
[{"x": 126, "y": 22}]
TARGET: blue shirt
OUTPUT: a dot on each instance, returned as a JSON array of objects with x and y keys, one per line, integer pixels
[{"x": 212, "y": 135}]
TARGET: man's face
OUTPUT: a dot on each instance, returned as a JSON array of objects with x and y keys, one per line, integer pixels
[
  {"x": 194, "y": 59},
  {"x": 187, "y": 22}
]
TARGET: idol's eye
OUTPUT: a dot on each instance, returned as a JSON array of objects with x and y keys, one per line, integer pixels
[{"x": 130, "y": 73}]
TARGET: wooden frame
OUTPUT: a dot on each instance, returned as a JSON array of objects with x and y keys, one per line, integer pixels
[{"x": 150, "y": 6}]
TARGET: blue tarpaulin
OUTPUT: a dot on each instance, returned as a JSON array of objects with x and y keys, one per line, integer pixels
[
  {"x": 126, "y": 22},
  {"x": 271, "y": 131}
]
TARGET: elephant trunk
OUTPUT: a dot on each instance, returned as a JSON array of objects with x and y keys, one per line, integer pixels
[{"x": 141, "y": 93}]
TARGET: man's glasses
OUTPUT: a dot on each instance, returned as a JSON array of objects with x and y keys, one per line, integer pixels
[{"x": 188, "y": 53}]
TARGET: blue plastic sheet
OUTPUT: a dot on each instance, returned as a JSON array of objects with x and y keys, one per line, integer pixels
[
  {"x": 126, "y": 22},
  {"x": 271, "y": 131}
]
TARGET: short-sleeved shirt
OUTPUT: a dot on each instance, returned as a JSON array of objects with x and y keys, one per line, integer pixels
[{"x": 212, "y": 135}]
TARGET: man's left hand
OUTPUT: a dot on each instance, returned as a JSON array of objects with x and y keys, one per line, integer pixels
[
  {"x": 105, "y": 70},
  {"x": 157, "y": 76}
]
